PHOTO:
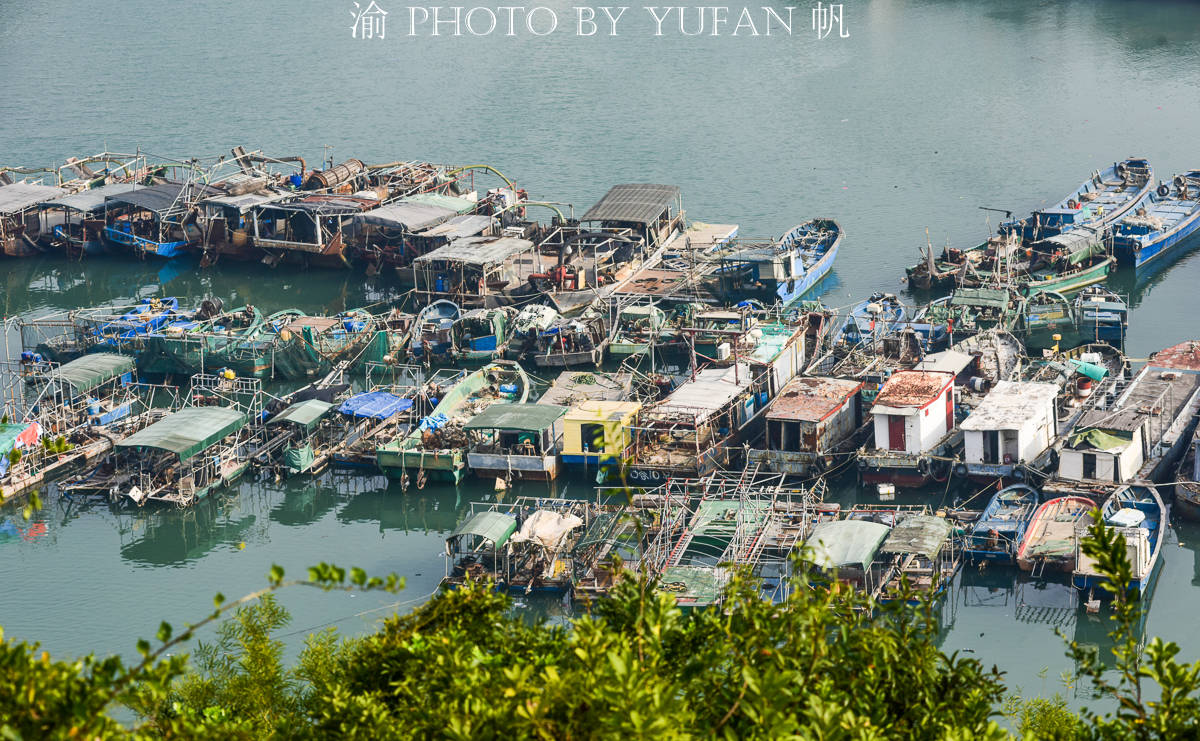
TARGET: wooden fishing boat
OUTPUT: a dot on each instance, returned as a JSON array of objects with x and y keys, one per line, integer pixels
[
  {"x": 156, "y": 220},
  {"x": 19, "y": 225},
  {"x": 1099, "y": 202},
  {"x": 531, "y": 321},
  {"x": 201, "y": 341},
  {"x": 879, "y": 315},
  {"x": 784, "y": 271},
  {"x": 1102, "y": 316},
  {"x": 570, "y": 342},
  {"x": 437, "y": 447},
  {"x": 480, "y": 335},
  {"x": 810, "y": 423},
  {"x": 1187, "y": 482},
  {"x": 1160, "y": 224},
  {"x": 516, "y": 441},
  {"x": 998, "y": 532},
  {"x": 433, "y": 332},
  {"x": 1137, "y": 512},
  {"x": 1049, "y": 541},
  {"x": 80, "y": 227},
  {"x": 639, "y": 327}
]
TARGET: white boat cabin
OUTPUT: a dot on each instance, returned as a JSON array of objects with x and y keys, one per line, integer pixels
[
  {"x": 1014, "y": 423},
  {"x": 913, "y": 411}
]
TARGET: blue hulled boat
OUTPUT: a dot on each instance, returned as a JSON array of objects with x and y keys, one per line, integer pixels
[
  {"x": 814, "y": 245},
  {"x": 997, "y": 533},
  {"x": 880, "y": 314},
  {"x": 150, "y": 315},
  {"x": 433, "y": 335},
  {"x": 785, "y": 270},
  {"x": 1161, "y": 222},
  {"x": 1137, "y": 512}
]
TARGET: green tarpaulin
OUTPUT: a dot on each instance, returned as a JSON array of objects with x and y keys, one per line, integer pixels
[
  {"x": 845, "y": 543},
  {"x": 8, "y": 436},
  {"x": 493, "y": 526},
  {"x": 1099, "y": 439},
  {"x": 299, "y": 459},
  {"x": 90, "y": 371},
  {"x": 188, "y": 431},
  {"x": 523, "y": 417},
  {"x": 304, "y": 413},
  {"x": 1092, "y": 371}
]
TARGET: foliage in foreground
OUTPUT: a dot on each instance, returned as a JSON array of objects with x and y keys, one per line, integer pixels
[{"x": 465, "y": 666}]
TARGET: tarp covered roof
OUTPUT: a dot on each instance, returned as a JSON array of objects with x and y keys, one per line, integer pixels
[
  {"x": 1100, "y": 439},
  {"x": 951, "y": 361},
  {"x": 441, "y": 200},
  {"x": 375, "y": 405},
  {"x": 90, "y": 200},
  {"x": 845, "y": 543},
  {"x": 923, "y": 535},
  {"x": 467, "y": 225},
  {"x": 187, "y": 431},
  {"x": 640, "y": 203},
  {"x": 707, "y": 393},
  {"x": 91, "y": 370},
  {"x": 411, "y": 216},
  {"x": 993, "y": 297},
  {"x": 165, "y": 197},
  {"x": 547, "y": 528},
  {"x": 478, "y": 250},
  {"x": 304, "y": 413},
  {"x": 247, "y": 201},
  {"x": 20, "y": 196},
  {"x": 525, "y": 417},
  {"x": 493, "y": 526}
]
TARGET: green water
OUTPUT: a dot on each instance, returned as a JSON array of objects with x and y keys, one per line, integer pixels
[{"x": 927, "y": 111}]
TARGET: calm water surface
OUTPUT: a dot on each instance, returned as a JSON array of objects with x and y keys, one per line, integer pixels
[{"x": 926, "y": 112}]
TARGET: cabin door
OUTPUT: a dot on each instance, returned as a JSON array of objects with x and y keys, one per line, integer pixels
[{"x": 896, "y": 439}]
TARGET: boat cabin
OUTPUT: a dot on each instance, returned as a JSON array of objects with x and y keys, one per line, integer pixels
[
  {"x": 653, "y": 212},
  {"x": 473, "y": 271},
  {"x": 518, "y": 441},
  {"x": 304, "y": 431},
  {"x": 78, "y": 219},
  {"x": 387, "y": 231},
  {"x": 316, "y": 225},
  {"x": 598, "y": 434},
  {"x": 156, "y": 219},
  {"x": 913, "y": 411},
  {"x": 923, "y": 552},
  {"x": 846, "y": 550},
  {"x": 807, "y": 422},
  {"x": 20, "y": 225},
  {"x": 476, "y": 550},
  {"x": 1015, "y": 423},
  {"x": 227, "y": 218},
  {"x": 86, "y": 391}
]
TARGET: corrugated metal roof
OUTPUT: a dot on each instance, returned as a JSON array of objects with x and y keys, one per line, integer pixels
[
  {"x": 525, "y": 417},
  {"x": 164, "y": 197},
  {"x": 304, "y": 413},
  {"x": 494, "y": 526},
  {"x": 467, "y": 225},
  {"x": 478, "y": 250},
  {"x": 709, "y": 392},
  {"x": 923, "y": 535},
  {"x": 187, "y": 431},
  {"x": 845, "y": 543},
  {"x": 328, "y": 205},
  {"x": 20, "y": 196},
  {"x": 247, "y": 201},
  {"x": 951, "y": 361},
  {"x": 910, "y": 388},
  {"x": 1184, "y": 355},
  {"x": 451, "y": 203},
  {"x": 811, "y": 399},
  {"x": 1009, "y": 404},
  {"x": 994, "y": 297},
  {"x": 640, "y": 203},
  {"x": 89, "y": 200},
  {"x": 410, "y": 216}
]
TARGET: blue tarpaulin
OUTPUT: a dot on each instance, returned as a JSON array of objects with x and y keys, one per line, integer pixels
[{"x": 375, "y": 404}]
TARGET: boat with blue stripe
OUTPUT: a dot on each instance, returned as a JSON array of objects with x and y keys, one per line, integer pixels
[
  {"x": 785, "y": 270},
  {"x": 1160, "y": 223},
  {"x": 150, "y": 315},
  {"x": 879, "y": 315},
  {"x": 998, "y": 532},
  {"x": 1137, "y": 512}
]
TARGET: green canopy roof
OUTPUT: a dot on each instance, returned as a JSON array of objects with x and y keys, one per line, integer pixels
[
  {"x": 922, "y": 535},
  {"x": 1101, "y": 439},
  {"x": 188, "y": 431},
  {"x": 9, "y": 434},
  {"x": 304, "y": 413},
  {"x": 994, "y": 297},
  {"x": 523, "y": 417},
  {"x": 493, "y": 526},
  {"x": 458, "y": 205},
  {"x": 846, "y": 543},
  {"x": 91, "y": 370}
]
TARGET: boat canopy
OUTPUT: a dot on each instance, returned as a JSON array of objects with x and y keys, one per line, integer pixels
[
  {"x": 164, "y": 198},
  {"x": 547, "y": 529},
  {"x": 1079, "y": 243},
  {"x": 922, "y": 535},
  {"x": 305, "y": 413},
  {"x": 638, "y": 203},
  {"x": 996, "y": 298},
  {"x": 494, "y": 526},
  {"x": 522, "y": 417},
  {"x": 441, "y": 200},
  {"x": 91, "y": 370},
  {"x": 845, "y": 543},
  {"x": 408, "y": 216},
  {"x": 708, "y": 393},
  {"x": 467, "y": 225},
  {"x": 246, "y": 201},
  {"x": 478, "y": 250},
  {"x": 188, "y": 431},
  {"x": 87, "y": 201},
  {"x": 17, "y": 197},
  {"x": 375, "y": 405}
]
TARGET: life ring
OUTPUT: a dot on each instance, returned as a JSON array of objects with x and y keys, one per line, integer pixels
[
  {"x": 1072, "y": 203},
  {"x": 960, "y": 470},
  {"x": 1164, "y": 190}
]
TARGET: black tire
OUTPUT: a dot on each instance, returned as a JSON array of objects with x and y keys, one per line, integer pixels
[
  {"x": 1164, "y": 190},
  {"x": 923, "y": 466},
  {"x": 960, "y": 470}
]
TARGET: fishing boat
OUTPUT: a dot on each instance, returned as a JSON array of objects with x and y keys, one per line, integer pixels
[
  {"x": 126, "y": 331},
  {"x": 1137, "y": 512},
  {"x": 19, "y": 227},
  {"x": 437, "y": 447},
  {"x": 531, "y": 321},
  {"x": 480, "y": 335},
  {"x": 201, "y": 341},
  {"x": 639, "y": 327},
  {"x": 1009, "y": 431},
  {"x": 516, "y": 441},
  {"x": 785, "y": 270},
  {"x": 925, "y": 556},
  {"x": 1101, "y": 316},
  {"x": 880, "y": 314},
  {"x": 1160, "y": 224},
  {"x": 80, "y": 227},
  {"x": 433, "y": 332},
  {"x": 811, "y": 423},
  {"x": 156, "y": 220},
  {"x": 476, "y": 550},
  {"x": 1100, "y": 201},
  {"x": 1049, "y": 541},
  {"x": 1187, "y": 482},
  {"x": 569, "y": 342},
  {"x": 998, "y": 532}
]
